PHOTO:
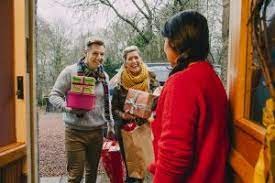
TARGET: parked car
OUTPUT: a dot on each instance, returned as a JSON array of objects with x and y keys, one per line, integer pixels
[{"x": 161, "y": 70}]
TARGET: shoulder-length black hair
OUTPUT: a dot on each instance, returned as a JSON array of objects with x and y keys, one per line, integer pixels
[{"x": 188, "y": 34}]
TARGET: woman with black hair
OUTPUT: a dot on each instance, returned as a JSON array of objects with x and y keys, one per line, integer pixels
[{"x": 190, "y": 131}]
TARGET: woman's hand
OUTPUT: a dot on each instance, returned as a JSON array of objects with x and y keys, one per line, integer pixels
[{"x": 127, "y": 116}]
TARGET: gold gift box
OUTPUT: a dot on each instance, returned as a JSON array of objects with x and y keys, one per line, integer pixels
[
  {"x": 84, "y": 89},
  {"x": 83, "y": 80}
]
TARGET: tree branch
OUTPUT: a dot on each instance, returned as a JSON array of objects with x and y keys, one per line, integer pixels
[
  {"x": 147, "y": 8},
  {"x": 140, "y": 9},
  {"x": 108, "y": 3},
  {"x": 180, "y": 3}
]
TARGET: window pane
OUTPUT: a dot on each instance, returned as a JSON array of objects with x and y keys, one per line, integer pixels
[{"x": 259, "y": 90}]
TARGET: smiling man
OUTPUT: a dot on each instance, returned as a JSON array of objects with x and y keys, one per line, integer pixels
[
  {"x": 95, "y": 54},
  {"x": 84, "y": 129}
]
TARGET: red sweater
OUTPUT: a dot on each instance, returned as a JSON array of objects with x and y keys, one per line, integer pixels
[{"x": 190, "y": 131}]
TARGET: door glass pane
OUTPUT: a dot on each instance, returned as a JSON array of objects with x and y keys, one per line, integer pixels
[{"x": 259, "y": 89}]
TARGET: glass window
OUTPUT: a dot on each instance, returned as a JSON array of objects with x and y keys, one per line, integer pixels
[{"x": 259, "y": 89}]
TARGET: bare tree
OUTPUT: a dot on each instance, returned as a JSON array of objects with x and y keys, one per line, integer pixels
[
  {"x": 145, "y": 18},
  {"x": 225, "y": 37},
  {"x": 144, "y": 12},
  {"x": 43, "y": 29},
  {"x": 53, "y": 53},
  {"x": 141, "y": 26},
  {"x": 59, "y": 49}
]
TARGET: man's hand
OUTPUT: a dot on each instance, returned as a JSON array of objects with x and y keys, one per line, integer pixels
[
  {"x": 110, "y": 132},
  {"x": 78, "y": 112}
]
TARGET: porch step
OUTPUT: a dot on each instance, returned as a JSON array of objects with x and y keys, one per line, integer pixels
[{"x": 63, "y": 179}]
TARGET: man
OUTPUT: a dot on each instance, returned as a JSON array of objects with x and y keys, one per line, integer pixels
[{"x": 84, "y": 129}]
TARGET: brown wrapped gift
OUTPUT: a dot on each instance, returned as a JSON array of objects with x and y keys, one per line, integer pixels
[
  {"x": 138, "y": 150},
  {"x": 139, "y": 103}
]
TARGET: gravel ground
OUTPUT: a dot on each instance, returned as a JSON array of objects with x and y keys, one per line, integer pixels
[{"x": 52, "y": 158}]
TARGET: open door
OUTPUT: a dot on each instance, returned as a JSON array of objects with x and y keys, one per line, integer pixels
[
  {"x": 247, "y": 95},
  {"x": 12, "y": 152},
  {"x": 17, "y": 140},
  {"x": 7, "y": 107}
]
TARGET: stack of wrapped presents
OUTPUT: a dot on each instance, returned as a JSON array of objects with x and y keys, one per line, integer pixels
[{"x": 81, "y": 95}]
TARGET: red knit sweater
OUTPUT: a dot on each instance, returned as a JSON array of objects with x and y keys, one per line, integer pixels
[{"x": 191, "y": 128}]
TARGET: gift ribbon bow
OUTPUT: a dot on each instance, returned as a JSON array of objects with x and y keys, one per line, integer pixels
[{"x": 134, "y": 105}]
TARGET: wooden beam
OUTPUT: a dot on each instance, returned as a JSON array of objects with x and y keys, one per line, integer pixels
[
  {"x": 12, "y": 153},
  {"x": 253, "y": 129}
]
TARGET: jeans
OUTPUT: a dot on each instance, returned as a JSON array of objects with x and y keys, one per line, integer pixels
[{"x": 83, "y": 149}]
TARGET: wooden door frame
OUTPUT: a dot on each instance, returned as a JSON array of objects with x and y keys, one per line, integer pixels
[
  {"x": 248, "y": 136},
  {"x": 32, "y": 124},
  {"x": 16, "y": 149},
  {"x": 25, "y": 145}
]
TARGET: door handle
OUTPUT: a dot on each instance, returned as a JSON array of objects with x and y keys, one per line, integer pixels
[{"x": 20, "y": 87}]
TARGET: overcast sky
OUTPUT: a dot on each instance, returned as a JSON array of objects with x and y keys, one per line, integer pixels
[{"x": 53, "y": 12}]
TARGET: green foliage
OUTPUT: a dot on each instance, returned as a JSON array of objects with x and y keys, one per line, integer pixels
[
  {"x": 110, "y": 66},
  {"x": 139, "y": 41},
  {"x": 41, "y": 101}
]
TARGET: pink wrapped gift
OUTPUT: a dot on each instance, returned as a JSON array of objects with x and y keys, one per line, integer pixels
[
  {"x": 139, "y": 103},
  {"x": 80, "y": 101}
]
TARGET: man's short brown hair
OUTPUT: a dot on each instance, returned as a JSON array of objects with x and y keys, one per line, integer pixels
[{"x": 95, "y": 41}]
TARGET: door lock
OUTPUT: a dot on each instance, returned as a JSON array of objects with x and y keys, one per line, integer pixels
[{"x": 20, "y": 87}]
